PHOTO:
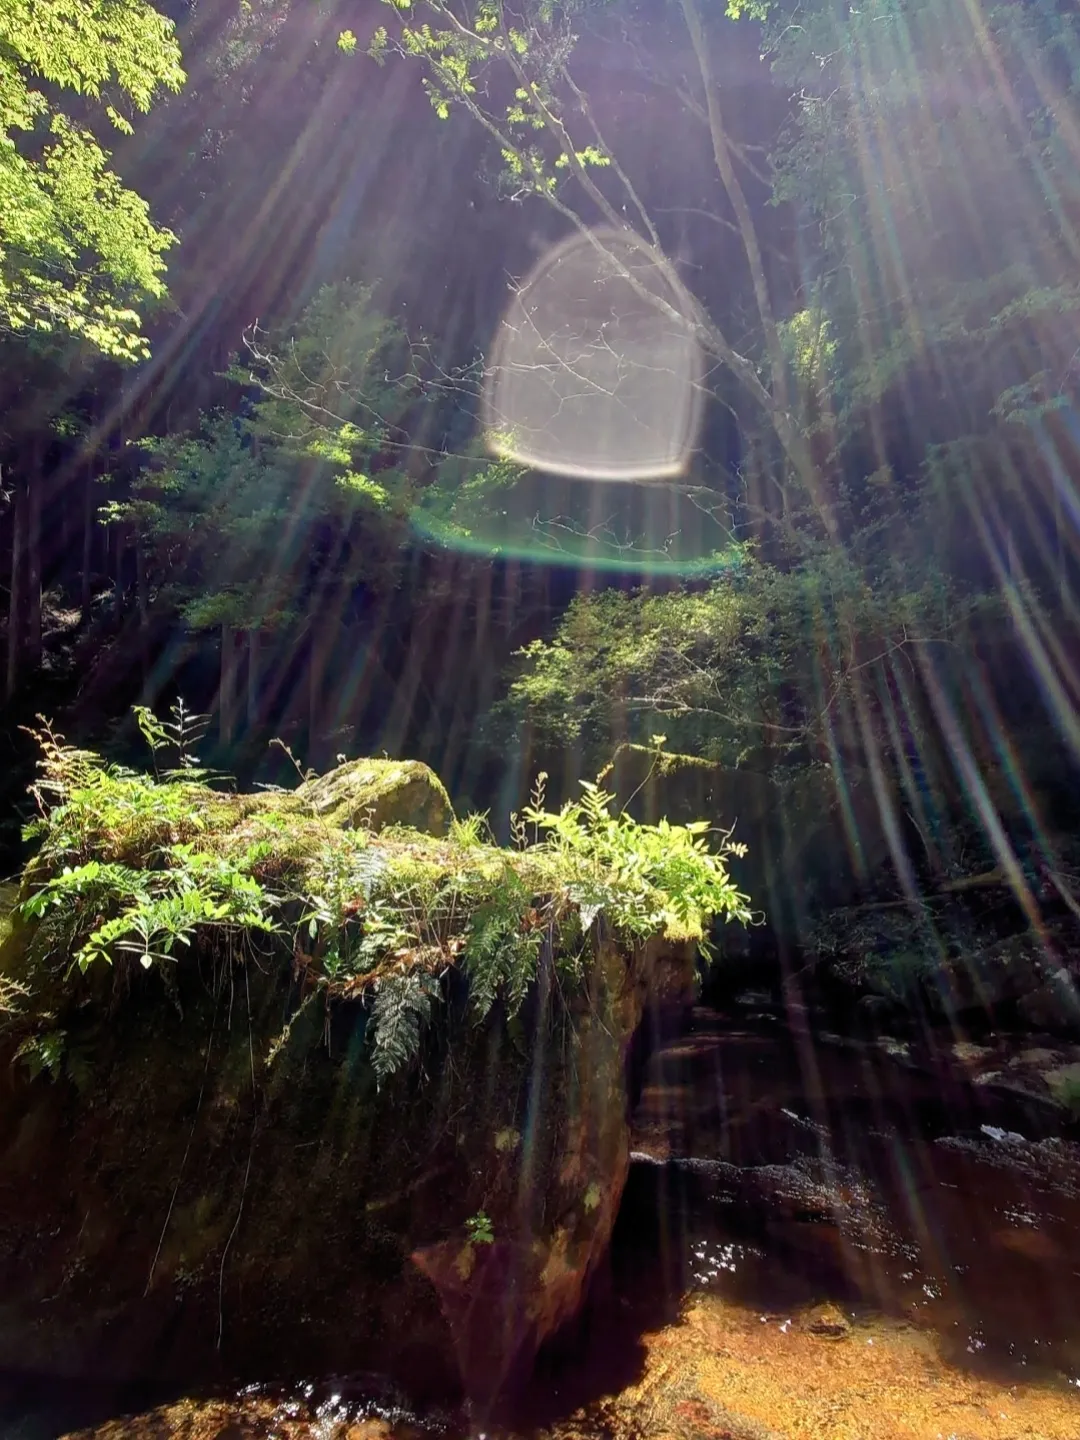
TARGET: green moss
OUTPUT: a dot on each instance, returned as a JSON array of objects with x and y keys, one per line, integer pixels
[
  {"x": 376, "y": 794},
  {"x": 11, "y": 991},
  {"x": 338, "y": 881},
  {"x": 1064, "y": 1086}
]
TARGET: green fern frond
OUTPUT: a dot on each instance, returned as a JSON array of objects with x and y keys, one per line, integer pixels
[{"x": 402, "y": 1006}]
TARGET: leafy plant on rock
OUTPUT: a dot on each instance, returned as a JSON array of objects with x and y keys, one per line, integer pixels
[{"x": 142, "y": 868}]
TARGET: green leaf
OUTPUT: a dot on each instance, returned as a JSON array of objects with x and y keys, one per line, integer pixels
[{"x": 78, "y": 252}]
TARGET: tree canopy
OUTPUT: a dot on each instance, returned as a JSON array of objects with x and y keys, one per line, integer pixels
[
  {"x": 79, "y": 253},
  {"x": 864, "y": 219}
]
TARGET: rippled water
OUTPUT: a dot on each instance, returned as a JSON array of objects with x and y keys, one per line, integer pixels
[{"x": 817, "y": 1241}]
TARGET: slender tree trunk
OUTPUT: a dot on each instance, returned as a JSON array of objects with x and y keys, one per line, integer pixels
[
  {"x": 253, "y": 680},
  {"x": 87, "y": 543},
  {"x": 227, "y": 689},
  {"x": 1061, "y": 553},
  {"x": 33, "y": 569},
  {"x": 316, "y": 675},
  {"x": 69, "y": 525},
  {"x": 118, "y": 574},
  {"x": 287, "y": 664},
  {"x": 16, "y": 602},
  {"x": 143, "y": 602}
]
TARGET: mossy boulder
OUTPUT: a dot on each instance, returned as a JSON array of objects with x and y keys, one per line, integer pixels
[
  {"x": 170, "y": 1191},
  {"x": 210, "y": 1177},
  {"x": 380, "y": 793},
  {"x": 366, "y": 794}
]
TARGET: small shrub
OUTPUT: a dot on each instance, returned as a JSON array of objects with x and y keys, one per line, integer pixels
[
  {"x": 471, "y": 832},
  {"x": 479, "y": 1229},
  {"x": 649, "y": 879}
]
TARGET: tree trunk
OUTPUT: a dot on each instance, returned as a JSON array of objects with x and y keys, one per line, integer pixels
[
  {"x": 253, "y": 680},
  {"x": 143, "y": 602},
  {"x": 69, "y": 523},
  {"x": 316, "y": 673},
  {"x": 118, "y": 574},
  {"x": 16, "y": 602},
  {"x": 85, "y": 596},
  {"x": 33, "y": 569},
  {"x": 1061, "y": 552},
  {"x": 227, "y": 689}
]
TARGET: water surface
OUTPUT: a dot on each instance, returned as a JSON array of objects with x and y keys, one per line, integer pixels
[{"x": 819, "y": 1240}]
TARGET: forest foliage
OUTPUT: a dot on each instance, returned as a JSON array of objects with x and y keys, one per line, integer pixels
[
  {"x": 230, "y": 516},
  {"x": 79, "y": 253},
  {"x": 873, "y": 215},
  {"x": 138, "y": 869}
]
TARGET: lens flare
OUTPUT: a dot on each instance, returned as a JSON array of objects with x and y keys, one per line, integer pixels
[{"x": 595, "y": 371}]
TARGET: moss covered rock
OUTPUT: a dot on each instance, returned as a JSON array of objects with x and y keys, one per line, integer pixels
[
  {"x": 379, "y": 793},
  {"x": 210, "y": 1168},
  {"x": 171, "y": 1191},
  {"x": 366, "y": 794}
]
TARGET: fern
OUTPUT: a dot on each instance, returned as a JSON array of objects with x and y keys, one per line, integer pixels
[
  {"x": 345, "y": 877},
  {"x": 471, "y": 833},
  {"x": 12, "y": 995},
  {"x": 62, "y": 770},
  {"x": 648, "y": 879},
  {"x": 182, "y": 732},
  {"x": 402, "y": 1005},
  {"x": 135, "y": 866},
  {"x": 501, "y": 948},
  {"x": 43, "y": 1054}
]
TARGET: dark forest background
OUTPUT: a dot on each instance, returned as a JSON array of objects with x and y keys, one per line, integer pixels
[{"x": 855, "y": 617}]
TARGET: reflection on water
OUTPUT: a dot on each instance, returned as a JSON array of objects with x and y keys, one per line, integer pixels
[
  {"x": 817, "y": 1241},
  {"x": 851, "y": 1180}
]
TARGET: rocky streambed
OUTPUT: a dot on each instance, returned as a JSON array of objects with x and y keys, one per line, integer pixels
[{"x": 817, "y": 1239}]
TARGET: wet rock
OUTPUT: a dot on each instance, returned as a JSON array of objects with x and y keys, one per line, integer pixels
[
  {"x": 1018, "y": 970},
  {"x": 296, "y": 1415},
  {"x": 502, "y": 1299},
  {"x": 1052, "y": 1165},
  {"x": 189, "y": 1195},
  {"x": 1045, "y": 1074},
  {"x": 827, "y": 1322},
  {"x": 1063, "y": 1082},
  {"x": 1054, "y": 1005},
  {"x": 754, "y": 1000},
  {"x": 897, "y": 1049},
  {"x": 984, "y": 978},
  {"x": 970, "y": 1054}
]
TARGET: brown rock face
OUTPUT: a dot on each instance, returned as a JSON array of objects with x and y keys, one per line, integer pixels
[
  {"x": 175, "y": 1208},
  {"x": 501, "y": 1299}
]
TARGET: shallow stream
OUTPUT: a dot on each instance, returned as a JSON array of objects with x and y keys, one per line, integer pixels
[{"x": 819, "y": 1239}]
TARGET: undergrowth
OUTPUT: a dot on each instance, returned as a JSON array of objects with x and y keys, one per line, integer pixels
[{"x": 140, "y": 869}]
